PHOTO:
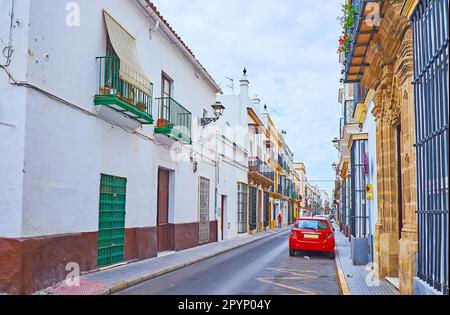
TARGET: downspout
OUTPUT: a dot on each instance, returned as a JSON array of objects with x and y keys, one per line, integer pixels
[
  {"x": 7, "y": 50},
  {"x": 216, "y": 185}
]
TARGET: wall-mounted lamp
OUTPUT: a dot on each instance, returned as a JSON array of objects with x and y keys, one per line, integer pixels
[
  {"x": 336, "y": 143},
  {"x": 218, "y": 109},
  {"x": 334, "y": 166}
]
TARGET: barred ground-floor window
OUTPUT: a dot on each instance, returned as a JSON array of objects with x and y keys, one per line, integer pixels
[
  {"x": 431, "y": 37},
  {"x": 242, "y": 208}
]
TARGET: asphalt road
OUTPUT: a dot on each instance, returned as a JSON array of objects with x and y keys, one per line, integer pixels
[{"x": 260, "y": 268}]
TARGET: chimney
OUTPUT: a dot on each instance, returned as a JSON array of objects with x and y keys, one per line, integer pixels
[
  {"x": 244, "y": 90},
  {"x": 256, "y": 105}
]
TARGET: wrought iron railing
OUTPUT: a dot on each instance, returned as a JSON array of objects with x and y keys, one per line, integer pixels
[
  {"x": 110, "y": 84},
  {"x": 359, "y": 220},
  {"x": 341, "y": 128},
  {"x": 242, "y": 208},
  {"x": 280, "y": 160},
  {"x": 348, "y": 112},
  {"x": 352, "y": 32},
  {"x": 431, "y": 58},
  {"x": 172, "y": 114},
  {"x": 359, "y": 96},
  {"x": 256, "y": 165}
]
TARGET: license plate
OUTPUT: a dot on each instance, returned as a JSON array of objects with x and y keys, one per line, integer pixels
[{"x": 312, "y": 236}]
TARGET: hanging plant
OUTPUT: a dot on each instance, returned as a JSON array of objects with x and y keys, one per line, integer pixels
[
  {"x": 349, "y": 17},
  {"x": 344, "y": 43},
  {"x": 347, "y": 21}
]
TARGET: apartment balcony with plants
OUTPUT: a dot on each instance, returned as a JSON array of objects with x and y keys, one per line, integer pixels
[
  {"x": 261, "y": 173},
  {"x": 174, "y": 120},
  {"x": 359, "y": 29},
  {"x": 132, "y": 98}
]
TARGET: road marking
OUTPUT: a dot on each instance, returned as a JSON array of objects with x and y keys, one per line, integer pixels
[
  {"x": 268, "y": 280},
  {"x": 292, "y": 275},
  {"x": 291, "y": 271}
]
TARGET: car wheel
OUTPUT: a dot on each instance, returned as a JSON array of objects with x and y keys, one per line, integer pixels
[
  {"x": 332, "y": 255},
  {"x": 291, "y": 253}
]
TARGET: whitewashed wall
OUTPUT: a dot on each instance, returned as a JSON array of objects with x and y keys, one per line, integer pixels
[
  {"x": 12, "y": 120},
  {"x": 66, "y": 149},
  {"x": 233, "y": 168}
]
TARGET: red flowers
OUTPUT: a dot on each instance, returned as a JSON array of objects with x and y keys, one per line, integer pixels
[{"x": 344, "y": 43}]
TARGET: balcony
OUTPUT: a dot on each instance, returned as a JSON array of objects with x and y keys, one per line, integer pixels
[
  {"x": 361, "y": 34},
  {"x": 120, "y": 95},
  {"x": 174, "y": 120},
  {"x": 260, "y": 173},
  {"x": 348, "y": 113},
  {"x": 359, "y": 103}
]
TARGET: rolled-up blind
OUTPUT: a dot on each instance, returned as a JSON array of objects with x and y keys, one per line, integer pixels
[{"x": 124, "y": 45}]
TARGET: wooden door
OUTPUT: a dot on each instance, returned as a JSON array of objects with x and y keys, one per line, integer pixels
[{"x": 163, "y": 210}]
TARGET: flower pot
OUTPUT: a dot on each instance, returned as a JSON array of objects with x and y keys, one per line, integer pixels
[
  {"x": 161, "y": 123},
  {"x": 141, "y": 106},
  {"x": 104, "y": 90}
]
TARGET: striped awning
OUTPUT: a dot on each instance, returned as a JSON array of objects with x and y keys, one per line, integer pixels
[{"x": 124, "y": 45}]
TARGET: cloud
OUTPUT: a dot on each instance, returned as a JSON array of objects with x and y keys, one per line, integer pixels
[{"x": 289, "y": 48}]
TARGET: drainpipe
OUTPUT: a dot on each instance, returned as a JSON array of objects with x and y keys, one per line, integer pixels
[
  {"x": 216, "y": 184},
  {"x": 8, "y": 50}
]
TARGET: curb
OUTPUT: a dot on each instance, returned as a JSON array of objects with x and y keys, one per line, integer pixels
[
  {"x": 122, "y": 285},
  {"x": 342, "y": 281}
]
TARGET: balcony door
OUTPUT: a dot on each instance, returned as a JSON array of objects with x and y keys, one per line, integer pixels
[{"x": 166, "y": 85}]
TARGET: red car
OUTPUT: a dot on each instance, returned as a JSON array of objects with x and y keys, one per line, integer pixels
[{"x": 312, "y": 234}]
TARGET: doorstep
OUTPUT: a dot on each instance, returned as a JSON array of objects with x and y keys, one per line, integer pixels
[{"x": 395, "y": 282}]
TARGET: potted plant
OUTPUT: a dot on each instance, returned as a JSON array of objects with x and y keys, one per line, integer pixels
[
  {"x": 347, "y": 21},
  {"x": 344, "y": 43},
  {"x": 141, "y": 106},
  {"x": 104, "y": 90},
  {"x": 161, "y": 123}
]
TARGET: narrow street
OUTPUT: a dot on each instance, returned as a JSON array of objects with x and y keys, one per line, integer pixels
[
  {"x": 198, "y": 150},
  {"x": 260, "y": 268}
]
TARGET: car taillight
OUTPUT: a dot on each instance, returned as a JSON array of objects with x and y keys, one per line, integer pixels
[
  {"x": 293, "y": 234},
  {"x": 330, "y": 235}
]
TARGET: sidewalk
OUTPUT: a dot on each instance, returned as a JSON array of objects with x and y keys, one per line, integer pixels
[
  {"x": 113, "y": 280},
  {"x": 357, "y": 280}
]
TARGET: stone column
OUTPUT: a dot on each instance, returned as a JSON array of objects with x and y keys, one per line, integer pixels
[
  {"x": 379, "y": 226},
  {"x": 408, "y": 242}
]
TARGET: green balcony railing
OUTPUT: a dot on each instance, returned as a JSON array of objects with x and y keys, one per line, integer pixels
[
  {"x": 120, "y": 95},
  {"x": 174, "y": 120}
]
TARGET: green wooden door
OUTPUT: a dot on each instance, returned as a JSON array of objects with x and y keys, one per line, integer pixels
[{"x": 111, "y": 231}]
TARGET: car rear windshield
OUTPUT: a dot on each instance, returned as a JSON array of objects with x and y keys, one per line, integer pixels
[{"x": 313, "y": 225}]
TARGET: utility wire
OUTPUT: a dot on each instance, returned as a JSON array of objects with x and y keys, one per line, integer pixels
[{"x": 14, "y": 82}]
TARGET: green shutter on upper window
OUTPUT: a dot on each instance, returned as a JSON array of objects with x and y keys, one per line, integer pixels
[{"x": 111, "y": 234}]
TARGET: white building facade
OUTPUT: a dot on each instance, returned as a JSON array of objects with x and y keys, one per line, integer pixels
[{"x": 103, "y": 158}]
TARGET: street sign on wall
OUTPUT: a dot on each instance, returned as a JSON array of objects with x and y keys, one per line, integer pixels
[{"x": 369, "y": 192}]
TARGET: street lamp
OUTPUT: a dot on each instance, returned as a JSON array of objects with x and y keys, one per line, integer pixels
[
  {"x": 218, "y": 109},
  {"x": 336, "y": 143},
  {"x": 335, "y": 166}
]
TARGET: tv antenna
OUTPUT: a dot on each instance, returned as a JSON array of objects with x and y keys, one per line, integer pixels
[{"x": 231, "y": 85}]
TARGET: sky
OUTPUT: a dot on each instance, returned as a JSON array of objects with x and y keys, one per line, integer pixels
[{"x": 289, "y": 48}]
